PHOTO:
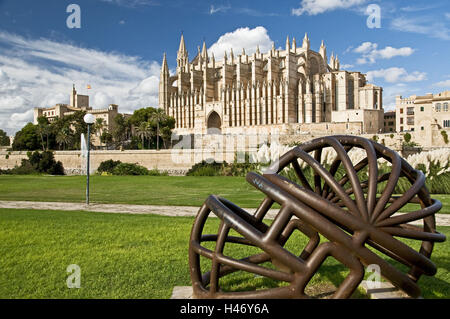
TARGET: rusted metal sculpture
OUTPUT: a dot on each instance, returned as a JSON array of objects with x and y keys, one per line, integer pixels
[{"x": 347, "y": 211}]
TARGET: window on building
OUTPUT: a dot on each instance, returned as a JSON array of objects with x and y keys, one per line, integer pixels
[
  {"x": 438, "y": 107},
  {"x": 410, "y": 120},
  {"x": 401, "y": 111},
  {"x": 445, "y": 107},
  {"x": 401, "y": 120},
  {"x": 446, "y": 123},
  {"x": 421, "y": 109},
  {"x": 401, "y": 128},
  {"x": 421, "y": 128},
  {"x": 410, "y": 111}
]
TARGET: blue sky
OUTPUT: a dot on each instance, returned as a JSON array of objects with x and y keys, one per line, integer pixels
[{"x": 118, "y": 49}]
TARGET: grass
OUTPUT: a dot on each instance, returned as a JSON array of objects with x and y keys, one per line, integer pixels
[
  {"x": 129, "y": 256},
  {"x": 146, "y": 190}
]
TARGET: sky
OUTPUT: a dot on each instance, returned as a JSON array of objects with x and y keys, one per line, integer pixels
[{"x": 118, "y": 45}]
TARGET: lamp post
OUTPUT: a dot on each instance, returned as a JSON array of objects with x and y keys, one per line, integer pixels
[{"x": 89, "y": 120}]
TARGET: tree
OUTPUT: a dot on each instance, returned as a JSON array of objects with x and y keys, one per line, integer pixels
[
  {"x": 160, "y": 123},
  {"x": 158, "y": 116},
  {"x": 27, "y": 139},
  {"x": 407, "y": 137},
  {"x": 63, "y": 138},
  {"x": 4, "y": 138},
  {"x": 43, "y": 128},
  {"x": 144, "y": 130},
  {"x": 106, "y": 138},
  {"x": 121, "y": 129}
]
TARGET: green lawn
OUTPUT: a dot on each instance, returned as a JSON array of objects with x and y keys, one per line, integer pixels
[
  {"x": 127, "y": 256},
  {"x": 149, "y": 190}
]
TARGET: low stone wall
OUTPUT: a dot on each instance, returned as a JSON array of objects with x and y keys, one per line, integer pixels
[
  {"x": 178, "y": 161},
  {"x": 175, "y": 162}
]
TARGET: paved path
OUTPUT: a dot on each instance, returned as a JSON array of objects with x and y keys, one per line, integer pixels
[{"x": 441, "y": 219}]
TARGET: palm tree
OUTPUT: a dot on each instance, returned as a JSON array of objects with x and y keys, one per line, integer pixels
[
  {"x": 63, "y": 138},
  {"x": 99, "y": 125},
  {"x": 158, "y": 116},
  {"x": 143, "y": 131},
  {"x": 43, "y": 127}
]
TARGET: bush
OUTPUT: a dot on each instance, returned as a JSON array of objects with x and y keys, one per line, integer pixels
[
  {"x": 38, "y": 163},
  {"x": 407, "y": 137},
  {"x": 129, "y": 169},
  {"x": 156, "y": 172},
  {"x": 444, "y": 136},
  {"x": 207, "y": 168},
  {"x": 107, "y": 166}
]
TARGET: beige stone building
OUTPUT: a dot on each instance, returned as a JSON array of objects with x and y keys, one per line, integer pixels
[
  {"x": 389, "y": 122},
  {"x": 421, "y": 113},
  {"x": 79, "y": 102},
  {"x": 295, "y": 87},
  {"x": 425, "y": 117}
]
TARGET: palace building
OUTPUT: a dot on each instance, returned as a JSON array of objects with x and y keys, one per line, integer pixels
[
  {"x": 295, "y": 87},
  {"x": 79, "y": 102}
]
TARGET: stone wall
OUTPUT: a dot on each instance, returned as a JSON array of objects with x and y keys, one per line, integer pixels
[
  {"x": 179, "y": 160},
  {"x": 175, "y": 162}
]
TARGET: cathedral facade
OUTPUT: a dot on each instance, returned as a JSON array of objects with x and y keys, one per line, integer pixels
[{"x": 296, "y": 87}]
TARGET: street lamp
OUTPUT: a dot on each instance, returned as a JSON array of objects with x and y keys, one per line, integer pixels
[{"x": 89, "y": 120}]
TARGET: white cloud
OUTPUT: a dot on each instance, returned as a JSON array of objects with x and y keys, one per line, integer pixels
[
  {"x": 422, "y": 25},
  {"x": 132, "y": 3},
  {"x": 445, "y": 83},
  {"x": 370, "y": 53},
  {"x": 40, "y": 73},
  {"x": 346, "y": 66},
  {"x": 396, "y": 75},
  {"x": 240, "y": 38},
  {"x": 366, "y": 47},
  {"x": 314, "y": 7},
  {"x": 213, "y": 9}
]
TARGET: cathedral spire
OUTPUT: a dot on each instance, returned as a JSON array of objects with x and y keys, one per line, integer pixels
[
  {"x": 288, "y": 44},
  {"x": 323, "y": 52},
  {"x": 305, "y": 42},
  {"x": 294, "y": 45},
  {"x": 182, "y": 55},
  {"x": 182, "y": 48},
  {"x": 204, "y": 52},
  {"x": 165, "y": 67}
]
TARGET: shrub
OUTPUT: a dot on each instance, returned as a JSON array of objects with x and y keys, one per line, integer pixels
[
  {"x": 207, "y": 168},
  {"x": 156, "y": 172},
  {"x": 407, "y": 137},
  {"x": 444, "y": 136},
  {"x": 129, "y": 169},
  {"x": 38, "y": 163},
  {"x": 107, "y": 166}
]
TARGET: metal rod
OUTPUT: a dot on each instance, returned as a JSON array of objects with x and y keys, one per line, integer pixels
[{"x": 87, "y": 163}]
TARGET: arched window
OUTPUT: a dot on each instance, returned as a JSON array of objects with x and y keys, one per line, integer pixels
[
  {"x": 445, "y": 107},
  {"x": 214, "y": 123},
  {"x": 438, "y": 107}
]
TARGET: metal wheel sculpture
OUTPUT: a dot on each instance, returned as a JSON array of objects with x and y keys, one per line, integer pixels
[{"x": 347, "y": 210}]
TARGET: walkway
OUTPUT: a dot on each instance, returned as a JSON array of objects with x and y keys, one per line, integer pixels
[{"x": 441, "y": 219}]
